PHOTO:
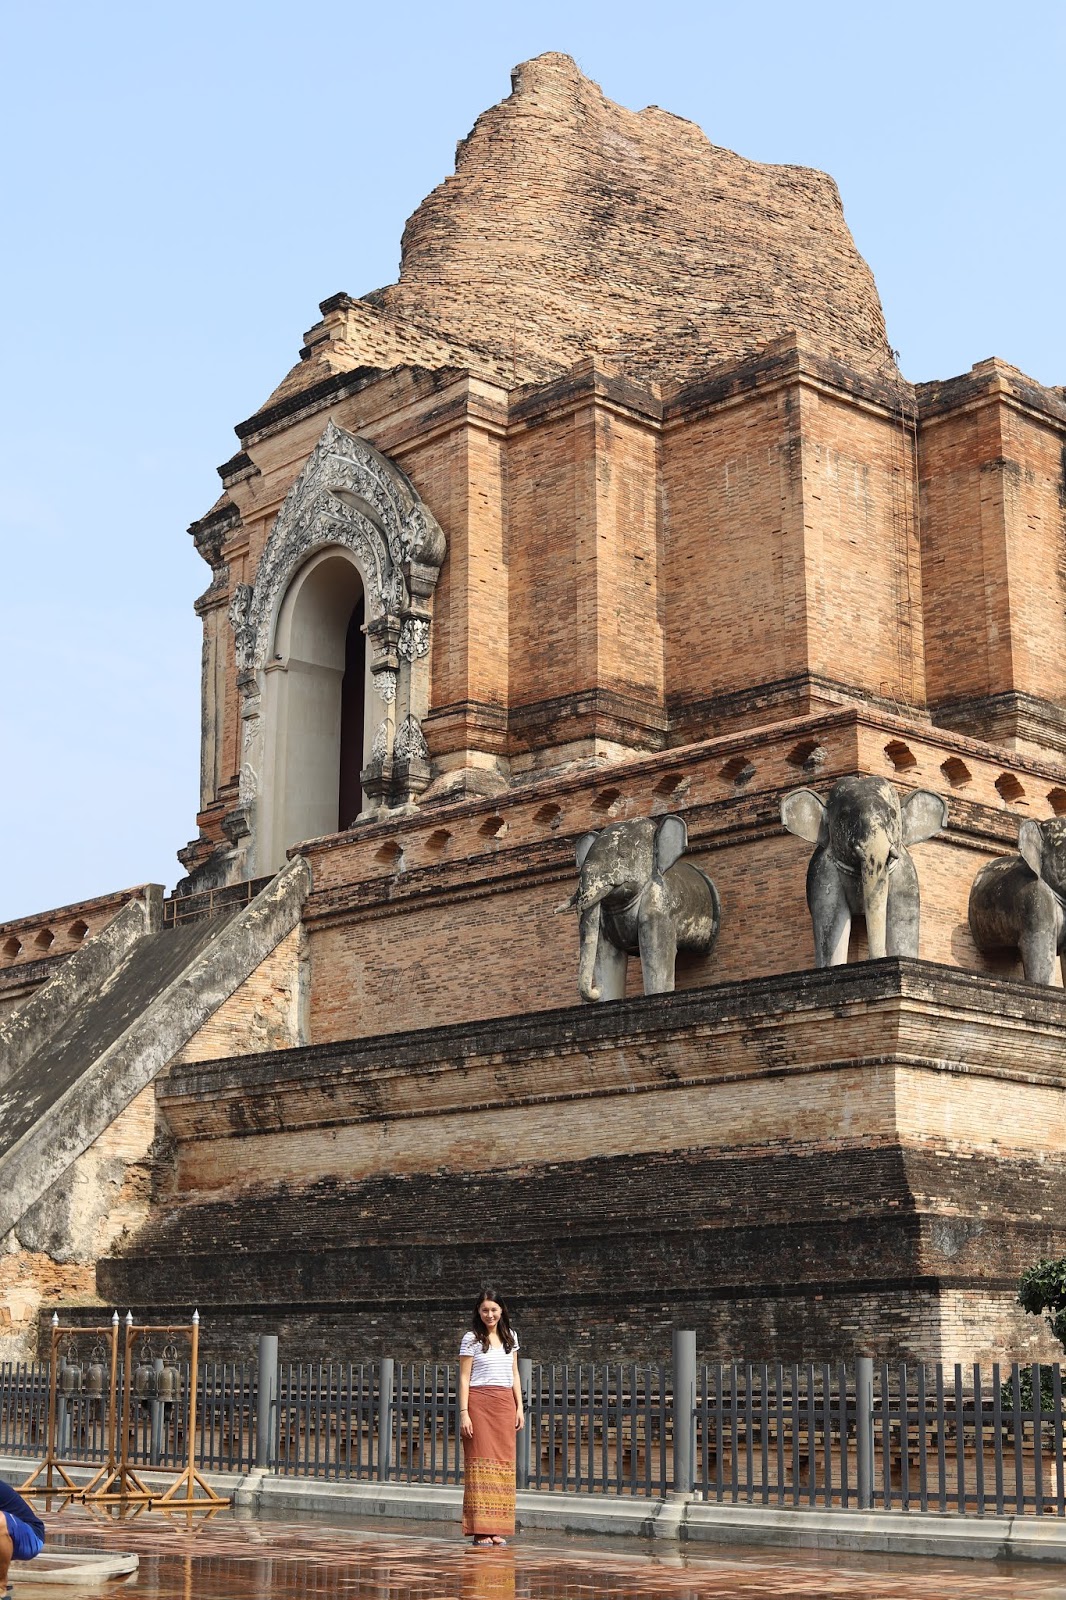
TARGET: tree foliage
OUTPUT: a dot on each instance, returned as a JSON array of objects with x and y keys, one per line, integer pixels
[{"x": 1043, "y": 1289}]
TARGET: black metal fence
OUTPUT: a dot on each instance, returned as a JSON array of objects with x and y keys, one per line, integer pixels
[
  {"x": 895, "y": 1437},
  {"x": 590, "y": 1429},
  {"x": 968, "y": 1440},
  {"x": 327, "y": 1420},
  {"x": 599, "y": 1429},
  {"x": 226, "y": 1408}
]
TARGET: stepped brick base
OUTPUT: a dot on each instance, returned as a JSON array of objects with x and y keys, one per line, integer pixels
[{"x": 869, "y": 1158}]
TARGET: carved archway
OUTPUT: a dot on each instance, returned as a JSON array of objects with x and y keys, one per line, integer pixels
[{"x": 350, "y": 497}]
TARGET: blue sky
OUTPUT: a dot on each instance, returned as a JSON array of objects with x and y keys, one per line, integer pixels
[{"x": 183, "y": 185}]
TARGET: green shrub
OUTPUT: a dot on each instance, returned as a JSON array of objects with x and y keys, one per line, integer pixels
[
  {"x": 1025, "y": 1391},
  {"x": 1043, "y": 1289}
]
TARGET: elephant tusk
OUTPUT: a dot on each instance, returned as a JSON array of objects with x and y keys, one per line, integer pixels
[{"x": 566, "y": 905}]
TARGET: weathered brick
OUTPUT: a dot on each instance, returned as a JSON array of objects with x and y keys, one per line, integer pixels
[{"x": 704, "y": 545}]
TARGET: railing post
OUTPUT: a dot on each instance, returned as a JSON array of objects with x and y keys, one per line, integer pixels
[
  {"x": 386, "y": 1386},
  {"x": 266, "y": 1400},
  {"x": 684, "y": 1376},
  {"x": 864, "y": 1430},
  {"x": 525, "y": 1379}
]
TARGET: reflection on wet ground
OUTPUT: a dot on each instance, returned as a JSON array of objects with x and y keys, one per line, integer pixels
[{"x": 227, "y": 1558}]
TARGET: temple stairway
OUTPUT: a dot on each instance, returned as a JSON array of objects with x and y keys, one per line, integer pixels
[{"x": 75, "y": 1053}]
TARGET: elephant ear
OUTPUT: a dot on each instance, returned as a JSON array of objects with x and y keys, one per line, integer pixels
[
  {"x": 924, "y": 813},
  {"x": 1031, "y": 844},
  {"x": 671, "y": 839},
  {"x": 583, "y": 846},
  {"x": 803, "y": 814}
]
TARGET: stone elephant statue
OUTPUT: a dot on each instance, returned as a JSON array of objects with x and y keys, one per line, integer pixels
[
  {"x": 861, "y": 865},
  {"x": 1019, "y": 901},
  {"x": 635, "y": 895}
]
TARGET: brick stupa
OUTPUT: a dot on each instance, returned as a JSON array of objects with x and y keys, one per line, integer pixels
[
  {"x": 615, "y": 505},
  {"x": 572, "y": 227}
]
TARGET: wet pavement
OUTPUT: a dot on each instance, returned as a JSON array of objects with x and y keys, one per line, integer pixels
[{"x": 225, "y": 1557}]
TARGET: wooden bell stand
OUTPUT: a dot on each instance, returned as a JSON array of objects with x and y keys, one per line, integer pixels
[
  {"x": 116, "y": 1482},
  {"x": 53, "y": 1463}
]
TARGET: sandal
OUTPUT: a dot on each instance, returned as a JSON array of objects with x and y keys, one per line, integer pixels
[
  {"x": 483, "y": 1541},
  {"x": 497, "y": 1540}
]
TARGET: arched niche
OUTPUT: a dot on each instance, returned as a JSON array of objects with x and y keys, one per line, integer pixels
[
  {"x": 320, "y": 710},
  {"x": 351, "y": 532}
]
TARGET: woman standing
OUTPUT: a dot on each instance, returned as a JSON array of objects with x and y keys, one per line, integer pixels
[{"x": 491, "y": 1413}]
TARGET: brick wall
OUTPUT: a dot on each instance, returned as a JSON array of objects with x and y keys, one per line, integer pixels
[
  {"x": 993, "y": 520},
  {"x": 103, "y": 1198},
  {"x": 36, "y": 940},
  {"x": 470, "y": 645},
  {"x": 734, "y": 577},
  {"x": 857, "y": 1160},
  {"x": 573, "y": 225},
  {"x": 862, "y": 555},
  {"x": 627, "y": 571},
  {"x": 267, "y": 1011},
  {"x": 899, "y": 1324}
]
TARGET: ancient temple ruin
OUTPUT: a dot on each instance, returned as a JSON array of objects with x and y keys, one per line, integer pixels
[{"x": 614, "y": 506}]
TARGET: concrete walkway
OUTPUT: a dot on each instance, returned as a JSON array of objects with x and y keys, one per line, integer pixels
[
  {"x": 689, "y": 1520},
  {"x": 675, "y": 1520},
  {"x": 228, "y": 1557}
]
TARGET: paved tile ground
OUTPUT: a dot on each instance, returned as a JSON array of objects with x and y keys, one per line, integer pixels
[{"x": 227, "y": 1558}]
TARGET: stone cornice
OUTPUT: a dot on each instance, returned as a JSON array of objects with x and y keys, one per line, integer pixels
[
  {"x": 489, "y": 872},
  {"x": 329, "y": 392},
  {"x": 761, "y": 700},
  {"x": 584, "y": 384},
  {"x": 783, "y": 363},
  {"x": 211, "y": 532},
  {"x": 237, "y": 469},
  {"x": 316, "y": 397},
  {"x": 990, "y": 383}
]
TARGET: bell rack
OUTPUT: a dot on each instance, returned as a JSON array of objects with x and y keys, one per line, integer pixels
[{"x": 116, "y": 1482}]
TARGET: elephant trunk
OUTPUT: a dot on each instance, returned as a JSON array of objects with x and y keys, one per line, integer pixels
[
  {"x": 875, "y": 904},
  {"x": 590, "y": 941}
]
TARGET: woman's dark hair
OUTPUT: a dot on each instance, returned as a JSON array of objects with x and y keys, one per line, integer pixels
[{"x": 503, "y": 1327}]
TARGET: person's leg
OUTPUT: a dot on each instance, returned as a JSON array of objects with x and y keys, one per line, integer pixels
[
  {"x": 6, "y": 1552},
  {"x": 473, "y": 1509}
]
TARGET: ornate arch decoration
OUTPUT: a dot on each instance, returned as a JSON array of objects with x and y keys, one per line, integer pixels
[{"x": 350, "y": 495}]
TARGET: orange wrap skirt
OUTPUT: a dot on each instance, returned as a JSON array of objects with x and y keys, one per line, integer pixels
[{"x": 489, "y": 1463}]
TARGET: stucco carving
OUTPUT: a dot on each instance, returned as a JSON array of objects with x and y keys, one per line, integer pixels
[
  {"x": 350, "y": 495},
  {"x": 386, "y": 685},
  {"x": 414, "y": 639},
  {"x": 243, "y": 631},
  {"x": 637, "y": 897},
  {"x": 1018, "y": 902},
  {"x": 861, "y": 865},
  {"x": 409, "y": 741}
]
